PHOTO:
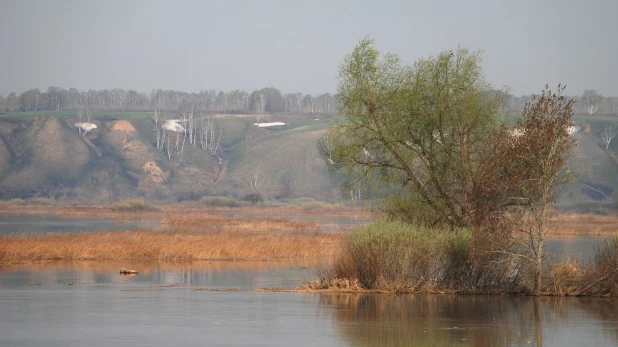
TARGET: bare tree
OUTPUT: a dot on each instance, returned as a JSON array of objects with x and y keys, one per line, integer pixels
[
  {"x": 591, "y": 99},
  {"x": 84, "y": 115},
  {"x": 523, "y": 175},
  {"x": 188, "y": 113},
  {"x": 156, "y": 116},
  {"x": 258, "y": 108},
  {"x": 607, "y": 135},
  {"x": 84, "y": 123},
  {"x": 161, "y": 131},
  {"x": 164, "y": 139},
  {"x": 325, "y": 145},
  {"x": 255, "y": 179},
  {"x": 209, "y": 136}
]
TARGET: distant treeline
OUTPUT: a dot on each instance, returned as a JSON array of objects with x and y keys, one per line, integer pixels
[
  {"x": 236, "y": 101},
  {"x": 590, "y": 102}
]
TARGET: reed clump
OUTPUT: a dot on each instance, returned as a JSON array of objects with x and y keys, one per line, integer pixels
[
  {"x": 395, "y": 256},
  {"x": 601, "y": 279},
  {"x": 220, "y": 201},
  {"x": 206, "y": 221},
  {"x": 167, "y": 245},
  {"x": 133, "y": 205},
  {"x": 399, "y": 257}
]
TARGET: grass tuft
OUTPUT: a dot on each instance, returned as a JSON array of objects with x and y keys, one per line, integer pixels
[
  {"x": 36, "y": 201},
  {"x": 166, "y": 245},
  {"x": 220, "y": 201},
  {"x": 396, "y": 256},
  {"x": 132, "y": 205}
]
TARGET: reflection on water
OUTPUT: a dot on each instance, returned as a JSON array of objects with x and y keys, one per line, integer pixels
[
  {"x": 332, "y": 223},
  {"x": 580, "y": 248},
  {"x": 90, "y": 303},
  {"x": 43, "y": 224},
  {"x": 200, "y": 274},
  {"x": 456, "y": 320}
]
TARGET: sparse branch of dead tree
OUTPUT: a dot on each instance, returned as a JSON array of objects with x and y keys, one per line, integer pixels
[
  {"x": 259, "y": 107},
  {"x": 607, "y": 135},
  {"x": 255, "y": 179},
  {"x": 522, "y": 175}
]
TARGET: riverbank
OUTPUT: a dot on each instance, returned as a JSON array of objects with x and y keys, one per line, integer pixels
[
  {"x": 186, "y": 213},
  {"x": 178, "y": 210},
  {"x": 223, "y": 244}
]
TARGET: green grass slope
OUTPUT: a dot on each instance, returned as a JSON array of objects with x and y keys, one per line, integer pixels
[
  {"x": 595, "y": 170},
  {"x": 287, "y": 163},
  {"x": 43, "y": 155}
]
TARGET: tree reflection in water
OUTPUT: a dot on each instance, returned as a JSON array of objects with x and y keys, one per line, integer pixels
[{"x": 457, "y": 320}]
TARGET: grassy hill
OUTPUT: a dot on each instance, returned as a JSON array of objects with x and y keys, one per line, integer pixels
[
  {"x": 42, "y": 154},
  {"x": 595, "y": 170}
]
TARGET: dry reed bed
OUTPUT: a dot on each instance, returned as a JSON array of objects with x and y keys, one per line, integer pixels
[
  {"x": 576, "y": 224},
  {"x": 166, "y": 245},
  {"x": 178, "y": 210},
  {"x": 148, "y": 267},
  {"x": 241, "y": 224}
]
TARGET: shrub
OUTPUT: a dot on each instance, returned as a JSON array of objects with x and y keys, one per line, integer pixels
[
  {"x": 40, "y": 201},
  {"x": 396, "y": 256},
  {"x": 399, "y": 256},
  {"x": 309, "y": 204},
  {"x": 253, "y": 198},
  {"x": 494, "y": 266},
  {"x": 132, "y": 205},
  {"x": 220, "y": 201},
  {"x": 602, "y": 277}
]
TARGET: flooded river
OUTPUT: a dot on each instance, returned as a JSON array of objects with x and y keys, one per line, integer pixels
[
  {"x": 221, "y": 303},
  {"x": 191, "y": 304},
  {"x": 43, "y": 224}
]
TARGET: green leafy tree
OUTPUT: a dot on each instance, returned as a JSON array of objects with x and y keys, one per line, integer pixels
[{"x": 414, "y": 133}]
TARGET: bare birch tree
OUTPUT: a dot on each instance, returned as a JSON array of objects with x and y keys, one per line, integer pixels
[
  {"x": 258, "y": 108},
  {"x": 591, "y": 99},
  {"x": 255, "y": 179},
  {"x": 607, "y": 135}
]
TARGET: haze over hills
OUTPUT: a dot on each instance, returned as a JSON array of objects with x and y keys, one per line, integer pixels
[{"x": 44, "y": 155}]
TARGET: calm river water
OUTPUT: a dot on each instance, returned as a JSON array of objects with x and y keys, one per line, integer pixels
[
  {"x": 219, "y": 304},
  {"x": 168, "y": 304}
]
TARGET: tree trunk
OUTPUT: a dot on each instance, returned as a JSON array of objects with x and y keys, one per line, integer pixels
[{"x": 539, "y": 262}]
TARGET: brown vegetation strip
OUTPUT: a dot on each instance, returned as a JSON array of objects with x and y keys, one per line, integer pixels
[
  {"x": 166, "y": 245},
  {"x": 576, "y": 224},
  {"x": 178, "y": 210},
  {"x": 240, "y": 224},
  {"x": 147, "y": 267}
]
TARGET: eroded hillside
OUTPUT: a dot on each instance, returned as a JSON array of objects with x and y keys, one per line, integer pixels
[{"x": 49, "y": 156}]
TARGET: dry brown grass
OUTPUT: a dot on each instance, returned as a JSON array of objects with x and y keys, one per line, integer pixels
[
  {"x": 123, "y": 125},
  {"x": 178, "y": 210},
  {"x": 147, "y": 267},
  {"x": 240, "y": 224},
  {"x": 167, "y": 245},
  {"x": 577, "y": 224}
]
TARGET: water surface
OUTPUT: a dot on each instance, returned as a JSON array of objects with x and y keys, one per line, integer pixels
[
  {"x": 43, "y": 224},
  {"x": 171, "y": 304}
]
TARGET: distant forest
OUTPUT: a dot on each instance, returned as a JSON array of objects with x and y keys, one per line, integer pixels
[
  {"x": 269, "y": 100},
  {"x": 236, "y": 101}
]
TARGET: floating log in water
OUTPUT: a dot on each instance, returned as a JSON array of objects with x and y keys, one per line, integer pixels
[{"x": 124, "y": 271}]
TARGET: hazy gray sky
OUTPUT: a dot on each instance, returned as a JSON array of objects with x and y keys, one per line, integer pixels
[{"x": 298, "y": 45}]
